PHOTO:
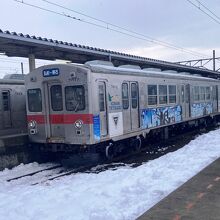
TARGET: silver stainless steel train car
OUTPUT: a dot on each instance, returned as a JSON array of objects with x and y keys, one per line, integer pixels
[
  {"x": 72, "y": 107},
  {"x": 12, "y": 106}
]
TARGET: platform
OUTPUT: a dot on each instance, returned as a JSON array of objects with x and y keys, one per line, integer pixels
[{"x": 198, "y": 198}]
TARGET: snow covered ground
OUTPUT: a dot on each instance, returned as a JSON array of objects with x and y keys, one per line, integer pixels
[{"x": 124, "y": 193}]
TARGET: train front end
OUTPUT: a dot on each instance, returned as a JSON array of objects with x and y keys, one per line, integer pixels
[{"x": 57, "y": 107}]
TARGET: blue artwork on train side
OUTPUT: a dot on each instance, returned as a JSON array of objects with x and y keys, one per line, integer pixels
[
  {"x": 153, "y": 117},
  {"x": 200, "y": 109},
  {"x": 51, "y": 72},
  {"x": 96, "y": 127}
]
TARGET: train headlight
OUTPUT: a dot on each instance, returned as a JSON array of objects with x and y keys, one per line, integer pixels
[
  {"x": 78, "y": 124},
  {"x": 32, "y": 124}
]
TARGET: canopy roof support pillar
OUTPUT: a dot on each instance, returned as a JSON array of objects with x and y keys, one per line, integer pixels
[{"x": 31, "y": 58}]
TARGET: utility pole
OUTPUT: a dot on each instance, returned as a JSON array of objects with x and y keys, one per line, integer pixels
[
  {"x": 22, "y": 68},
  {"x": 213, "y": 60}
]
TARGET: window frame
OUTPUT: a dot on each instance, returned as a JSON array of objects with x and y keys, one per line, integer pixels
[
  {"x": 52, "y": 96},
  {"x": 152, "y": 96},
  {"x": 103, "y": 109},
  {"x": 28, "y": 99},
  {"x": 196, "y": 93},
  {"x": 134, "y": 99},
  {"x": 172, "y": 94},
  {"x": 6, "y": 103},
  {"x": 208, "y": 93},
  {"x": 162, "y": 95},
  {"x": 202, "y": 93},
  {"x": 84, "y": 98},
  {"x": 125, "y": 107}
]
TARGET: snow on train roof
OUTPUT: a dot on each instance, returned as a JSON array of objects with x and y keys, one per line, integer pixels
[
  {"x": 12, "y": 79},
  {"x": 101, "y": 68},
  {"x": 11, "y": 82},
  {"x": 14, "y": 76}
]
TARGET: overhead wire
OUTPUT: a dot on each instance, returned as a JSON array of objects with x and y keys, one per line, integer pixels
[
  {"x": 152, "y": 40},
  {"x": 208, "y": 9},
  {"x": 215, "y": 18},
  {"x": 109, "y": 27}
]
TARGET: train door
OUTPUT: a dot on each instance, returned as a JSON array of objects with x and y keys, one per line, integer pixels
[
  {"x": 183, "y": 101},
  {"x": 215, "y": 98},
  {"x": 102, "y": 108},
  {"x": 187, "y": 101},
  {"x": 130, "y": 106},
  {"x": 218, "y": 97},
  {"x": 7, "y": 122},
  {"x": 54, "y": 110},
  {"x": 134, "y": 105}
]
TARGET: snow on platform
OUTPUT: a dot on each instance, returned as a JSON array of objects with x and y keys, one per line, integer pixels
[{"x": 124, "y": 193}]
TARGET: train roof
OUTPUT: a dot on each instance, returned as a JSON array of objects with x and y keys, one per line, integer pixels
[
  {"x": 151, "y": 72},
  {"x": 11, "y": 82},
  {"x": 108, "y": 68},
  {"x": 14, "y": 76}
]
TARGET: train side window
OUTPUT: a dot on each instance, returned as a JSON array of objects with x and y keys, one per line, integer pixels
[
  {"x": 182, "y": 94},
  {"x": 101, "y": 98},
  {"x": 75, "y": 98},
  {"x": 196, "y": 93},
  {"x": 187, "y": 93},
  {"x": 125, "y": 97},
  {"x": 202, "y": 93},
  {"x": 162, "y": 94},
  {"x": 6, "y": 100},
  {"x": 34, "y": 100},
  {"x": 152, "y": 94},
  {"x": 208, "y": 93},
  {"x": 134, "y": 95},
  {"x": 56, "y": 97},
  {"x": 214, "y": 92},
  {"x": 172, "y": 94}
]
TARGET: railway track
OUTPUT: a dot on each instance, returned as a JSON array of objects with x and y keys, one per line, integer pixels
[
  {"x": 149, "y": 152},
  {"x": 33, "y": 173}
]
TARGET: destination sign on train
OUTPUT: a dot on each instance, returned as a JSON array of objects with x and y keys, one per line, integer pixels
[{"x": 51, "y": 72}]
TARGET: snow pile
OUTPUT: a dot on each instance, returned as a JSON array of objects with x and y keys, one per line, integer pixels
[{"x": 121, "y": 194}]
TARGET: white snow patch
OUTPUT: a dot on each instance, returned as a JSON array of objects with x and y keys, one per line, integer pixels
[{"x": 124, "y": 193}]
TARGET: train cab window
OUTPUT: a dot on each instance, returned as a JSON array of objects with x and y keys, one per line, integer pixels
[
  {"x": 152, "y": 94},
  {"x": 101, "y": 98},
  {"x": 172, "y": 94},
  {"x": 6, "y": 100},
  {"x": 196, "y": 93},
  {"x": 34, "y": 100},
  {"x": 125, "y": 97},
  {"x": 56, "y": 97},
  {"x": 202, "y": 93},
  {"x": 162, "y": 94},
  {"x": 75, "y": 98},
  {"x": 208, "y": 93},
  {"x": 134, "y": 95}
]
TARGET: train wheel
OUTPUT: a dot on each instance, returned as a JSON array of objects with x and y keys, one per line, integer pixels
[{"x": 109, "y": 151}]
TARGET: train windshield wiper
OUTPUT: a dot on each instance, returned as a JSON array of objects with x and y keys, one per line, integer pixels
[{"x": 76, "y": 108}]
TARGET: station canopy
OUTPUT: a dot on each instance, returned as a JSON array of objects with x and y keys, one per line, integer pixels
[{"x": 14, "y": 44}]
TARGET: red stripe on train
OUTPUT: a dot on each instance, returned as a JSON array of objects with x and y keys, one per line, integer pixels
[
  {"x": 38, "y": 118},
  {"x": 63, "y": 119}
]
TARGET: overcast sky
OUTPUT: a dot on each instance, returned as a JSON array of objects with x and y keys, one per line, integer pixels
[{"x": 172, "y": 21}]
